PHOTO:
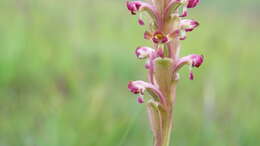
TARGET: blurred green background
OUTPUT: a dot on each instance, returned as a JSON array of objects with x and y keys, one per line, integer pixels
[{"x": 64, "y": 68}]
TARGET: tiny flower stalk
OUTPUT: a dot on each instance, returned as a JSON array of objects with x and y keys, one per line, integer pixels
[{"x": 165, "y": 30}]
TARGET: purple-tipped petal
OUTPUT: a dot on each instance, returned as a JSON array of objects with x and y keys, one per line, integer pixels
[
  {"x": 193, "y": 60},
  {"x": 140, "y": 99},
  {"x": 140, "y": 22},
  {"x": 193, "y": 3},
  {"x": 191, "y": 76},
  {"x": 138, "y": 87},
  {"x": 184, "y": 12}
]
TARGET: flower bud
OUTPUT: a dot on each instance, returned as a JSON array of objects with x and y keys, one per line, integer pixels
[
  {"x": 191, "y": 76},
  {"x": 143, "y": 52}
]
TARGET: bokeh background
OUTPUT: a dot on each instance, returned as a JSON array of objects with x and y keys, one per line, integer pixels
[{"x": 64, "y": 68}]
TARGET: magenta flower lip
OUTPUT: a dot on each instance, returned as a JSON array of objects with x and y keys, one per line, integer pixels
[{"x": 197, "y": 60}]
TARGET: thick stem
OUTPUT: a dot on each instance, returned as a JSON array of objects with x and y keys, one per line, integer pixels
[
  {"x": 164, "y": 127},
  {"x": 167, "y": 128},
  {"x": 163, "y": 117}
]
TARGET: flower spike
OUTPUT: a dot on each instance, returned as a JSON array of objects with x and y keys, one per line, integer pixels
[{"x": 166, "y": 27}]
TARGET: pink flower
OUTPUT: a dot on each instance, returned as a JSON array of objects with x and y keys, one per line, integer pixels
[
  {"x": 188, "y": 25},
  {"x": 138, "y": 87},
  {"x": 133, "y": 6},
  {"x": 193, "y": 3},
  {"x": 197, "y": 60},
  {"x": 193, "y": 60},
  {"x": 143, "y": 52},
  {"x": 159, "y": 38}
]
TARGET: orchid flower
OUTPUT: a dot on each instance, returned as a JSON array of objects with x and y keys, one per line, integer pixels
[{"x": 165, "y": 31}]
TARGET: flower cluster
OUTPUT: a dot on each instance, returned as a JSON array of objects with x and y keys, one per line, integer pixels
[
  {"x": 167, "y": 26},
  {"x": 166, "y": 29}
]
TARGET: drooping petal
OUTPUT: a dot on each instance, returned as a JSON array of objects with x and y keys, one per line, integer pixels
[
  {"x": 194, "y": 60},
  {"x": 140, "y": 21},
  {"x": 191, "y": 76},
  {"x": 139, "y": 6},
  {"x": 184, "y": 12},
  {"x": 140, "y": 99},
  {"x": 138, "y": 87}
]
